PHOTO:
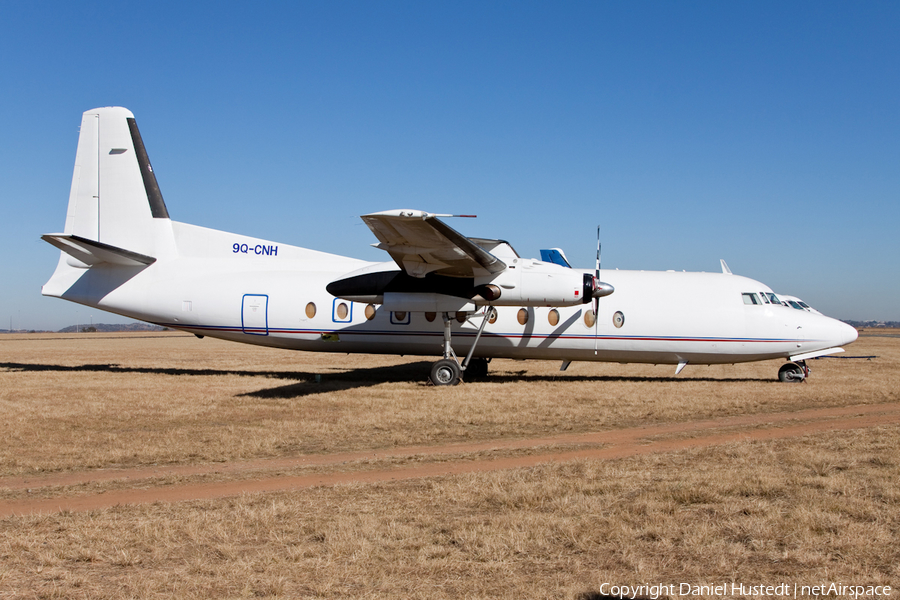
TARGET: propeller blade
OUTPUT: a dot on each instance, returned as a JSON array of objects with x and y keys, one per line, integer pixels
[{"x": 596, "y": 286}]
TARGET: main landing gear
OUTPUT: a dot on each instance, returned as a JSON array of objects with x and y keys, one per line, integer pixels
[
  {"x": 793, "y": 372},
  {"x": 448, "y": 370}
]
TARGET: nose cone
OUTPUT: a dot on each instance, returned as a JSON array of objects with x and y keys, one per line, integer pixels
[
  {"x": 824, "y": 332},
  {"x": 846, "y": 334}
]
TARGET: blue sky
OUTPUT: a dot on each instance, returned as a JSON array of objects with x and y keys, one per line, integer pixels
[{"x": 764, "y": 133}]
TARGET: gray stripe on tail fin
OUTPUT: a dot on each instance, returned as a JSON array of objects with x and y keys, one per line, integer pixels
[{"x": 154, "y": 196}]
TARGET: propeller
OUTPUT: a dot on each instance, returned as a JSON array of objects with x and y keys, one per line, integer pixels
[{"x": 596, "y": 289}]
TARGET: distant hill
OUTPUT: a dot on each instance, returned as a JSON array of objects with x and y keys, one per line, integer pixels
[
  {"x": 106, "y": 328},
  {"x": 872, "y": 324}
]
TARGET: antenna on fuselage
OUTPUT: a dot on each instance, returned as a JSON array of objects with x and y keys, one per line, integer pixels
[{"x": 725, "y": 268}]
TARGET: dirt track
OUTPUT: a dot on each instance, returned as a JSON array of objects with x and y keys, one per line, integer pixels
[{"x": 428, "y": 461}]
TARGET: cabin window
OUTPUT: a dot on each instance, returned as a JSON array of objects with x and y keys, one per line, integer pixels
[
  {"x": 310, "y": 310},
  {"x": 589, "y": 318},
  {"x": 370, "y": 311},
  {"x": 553, "y": 317},
  {"x": 461, "y": 316},
  {"x": 342, "y": 311},
  {"x": 430, "y": 316},
  {"x": 618, "y": 318},
  {"x": 493, "y": 318},
  {"x": 522, "y": 316},
  {"x": 750, "y": 298},
  {"x": 400, "y": 317}
]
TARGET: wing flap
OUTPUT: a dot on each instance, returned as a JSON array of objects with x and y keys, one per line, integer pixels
[{"x": 420, "y": 244}]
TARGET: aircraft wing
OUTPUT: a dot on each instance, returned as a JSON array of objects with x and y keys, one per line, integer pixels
[{"x": 420, "y": 244}]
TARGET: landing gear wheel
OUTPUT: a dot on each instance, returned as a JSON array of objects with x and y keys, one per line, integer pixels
[
  {"x": 791, "y": 373},
  {"x": 477, "y": 369},
  {"x": 445, "y": 372}
]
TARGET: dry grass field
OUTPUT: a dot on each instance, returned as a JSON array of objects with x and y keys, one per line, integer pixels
[{"x": 801, "y": 509}]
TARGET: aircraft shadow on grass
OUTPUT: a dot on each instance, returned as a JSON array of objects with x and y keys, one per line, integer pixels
[{"x": 304, "y": 383}]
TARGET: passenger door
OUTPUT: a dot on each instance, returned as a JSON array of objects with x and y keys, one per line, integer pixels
[{"x": 254, "y": 314}]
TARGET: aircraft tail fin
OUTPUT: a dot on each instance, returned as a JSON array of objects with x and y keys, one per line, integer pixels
[
  {"x": 115, "y": 199},
  {"x": 555, "y": 256}
]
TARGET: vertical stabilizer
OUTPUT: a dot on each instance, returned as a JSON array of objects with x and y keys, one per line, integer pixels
[{"x": 115, "y": 198}]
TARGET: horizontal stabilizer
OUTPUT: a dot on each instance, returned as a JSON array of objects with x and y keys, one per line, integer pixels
[{"x": 92, "y": 253}]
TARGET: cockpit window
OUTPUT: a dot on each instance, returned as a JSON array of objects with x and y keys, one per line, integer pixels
[
  {"x": 803, "y": 304},
  {"x": 764, "y": 298},
  {"x": 750, "y": 298},
  {"x": 772, "y": 298},
  {"x": 795, "y": 305}
]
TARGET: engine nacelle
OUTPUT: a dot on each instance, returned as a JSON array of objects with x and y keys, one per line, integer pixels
[
  {"x": 522, "y": 283},
  {"x": 536, "y": 283}
]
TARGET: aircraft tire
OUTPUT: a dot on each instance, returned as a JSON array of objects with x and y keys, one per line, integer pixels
[
  {"x": 445, "y": 372},
  {"x": 477, "y": 369},
  {"x": 791, "y": 373}
]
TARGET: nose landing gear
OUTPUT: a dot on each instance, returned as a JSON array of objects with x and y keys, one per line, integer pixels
[{"x": 793, "y": 372}]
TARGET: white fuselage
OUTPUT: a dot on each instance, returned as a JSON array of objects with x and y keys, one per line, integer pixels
[{"x": 229, "y": 286}]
